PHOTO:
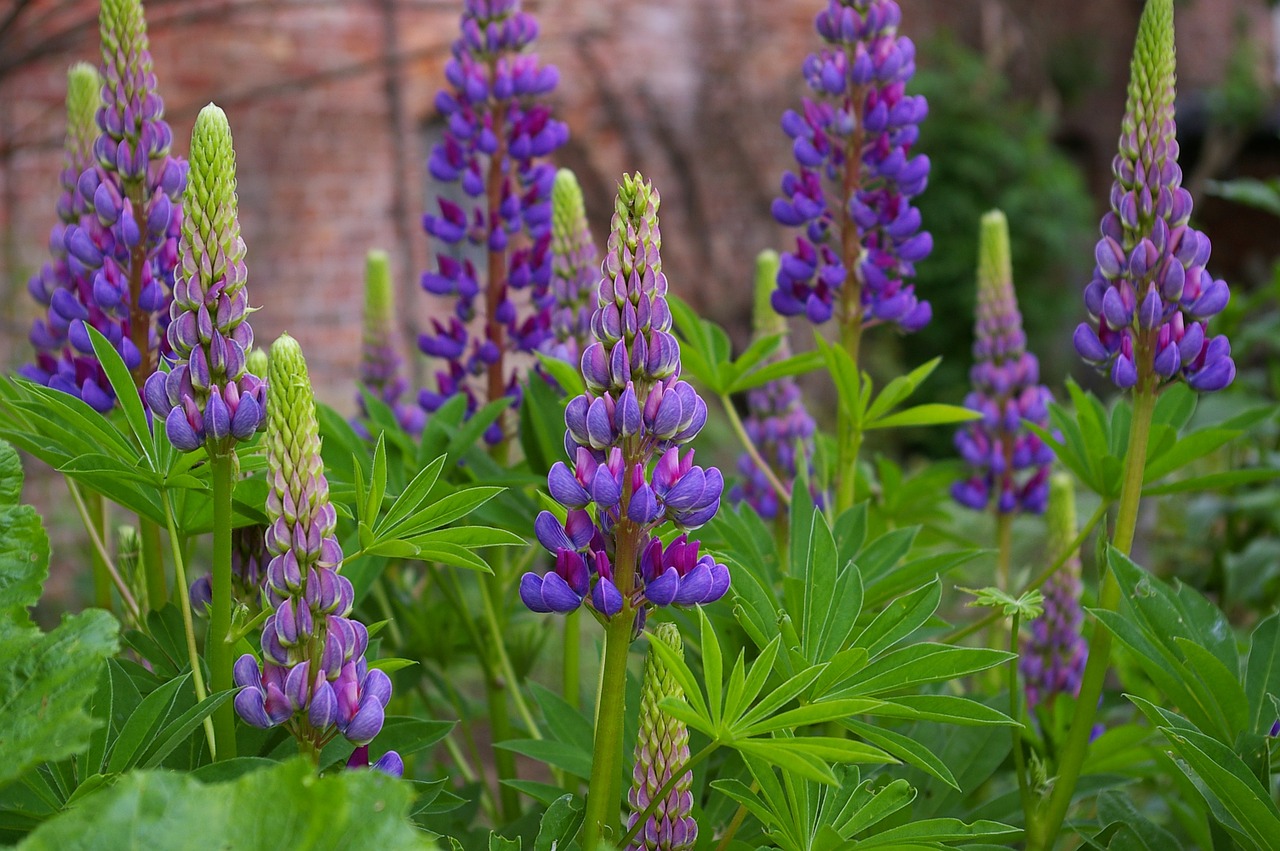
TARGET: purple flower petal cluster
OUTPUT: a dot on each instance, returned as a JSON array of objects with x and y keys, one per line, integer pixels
[
  {"x": 313, "y": 677},
  {"x": 389, "y": 763},
  {"x": 851, "y": 194},
  {"x": 1010, "y": 462},
  {"x": 1151, "y": 295},
  {"x": 636, "y": 413},
  {"x": 127, "y": 241},
  {"x": 64, "y": 287},
  {"x": 497, "y": 134},
  {"x": 662, "y": 746},
  {"x": 210, "y": 398},
  {"x": 1054, "y": 655},
  {"x": 574, "y": 270},
  {"x": 380, "y": 373}
]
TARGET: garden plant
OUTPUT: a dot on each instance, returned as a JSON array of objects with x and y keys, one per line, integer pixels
[{"x": 520, "y": 607}]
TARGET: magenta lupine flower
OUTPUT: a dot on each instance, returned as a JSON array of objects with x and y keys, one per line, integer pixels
[
  {"x": 574, "y": 270},
  {"x": 777, "y": 422},
  {"x": 662, "y": 746},
  {"x": 1151, "y": 294},
  {"x": 64, "y": 286},
  {"x": 313, "y": 677},
  {"x": 380, "y": 363},
  {"x": 1009, "y": 462},
  {"x": 497, "y": 133},
  {"x": 636, "y": 411},
  {"x": 129, "y": 245},
  {"x": 852, "y": 193},
  {"x": 209, "y": 398},
  {"x": 1054, "y": 654}
]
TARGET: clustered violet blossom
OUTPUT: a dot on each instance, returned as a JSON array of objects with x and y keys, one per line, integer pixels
[
  {"x": 574, "y": 270},
  {"x": 209, "y": 397},
  {"x": 497, "y": 132},
  {"x": 1054, "y": 654},
  {"x": 852, "y": 193},
  {"x": 662, "y": 746},
  {"x": 1151, "y": 295},
  {"x": 127, "y": 243},
  {"x": 777, "y": 423},
  {"x": 1010, "y": 462},
  {"x": 313, "y": 677},
  {"x": 636, "y": 410},
  {"x": 64, "y": 286},
  {"x": 380, "y": 373}
]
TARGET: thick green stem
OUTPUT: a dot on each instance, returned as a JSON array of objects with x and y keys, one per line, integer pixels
[
  {"x": 606, "y": 765},
  {"x": 101, "y": 577},
  {"x": 188, "y": 623},
  {"x": 218, "y": 650},
  {"x": 1047, "y": 828},
  {"x": 503, "y": 760},
  {"x": 571, "y": 657},
  {"x": 153, "y": 564},
  {"x": 1015, "y": 712},
  {"x": 848, "y": 430},
  {"x": 1004, "y": 548}
]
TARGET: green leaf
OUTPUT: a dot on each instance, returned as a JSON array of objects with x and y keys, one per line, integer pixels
[
  {"x": 144, "y": 723},
  {"x": 560, "y": 824},
  {"x": 899, "y": 389},
  {"x": 1262, "y": 676},
  {"x": 10, "y": 476},
  {"x": 941, "y": 830},
  {"x": 556, "y": 754},
  {"x": 285, "y": 803},
  {"x": 917, "y": 664},
  {"x": 181, "y": 728},
  {"x": 800, "y": 364},
  {"x": 566, "y": 374},
  {"x": 1230, "y": 782},
  {"x": 904, "y": 748},
  {"x": 1027, "y": 607}
]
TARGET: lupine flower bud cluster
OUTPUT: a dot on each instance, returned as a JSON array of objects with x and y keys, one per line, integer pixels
[
  {"x": 127, "y": 243},
  {"x": 1010, "y": 462},
  {"x": 1151, "y": 294},
  {"x": 313, "y": 677},
  {"x": 777, "y": 422},
  {"x": 64, "y": 287},
  {"x": 662, "y": 746},
  {"x": 497, "y": 132},
  {"x": 380, "y": 363},
  {"x": 636, "y": 411},
  {"x": 1054, "y": 654},
  {"x": 574, "y": 270},
  {"x": 851, "y": 195},
  {"x": 210, "y": 398}
]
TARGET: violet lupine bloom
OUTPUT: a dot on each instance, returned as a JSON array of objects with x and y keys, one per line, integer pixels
[
  {"x": 313, "y": 677},
  {"x": 662, "y": 745},
  {"x": 497, "y": 132},
  {"x": 64, "y": 287},
  {"x": 389, "y": 763},
  {"x": 574, "y": 270},
  {"x": 1151, "y": 295},
  {"x": 128, "y": 246},
  {"x": 777, "y": 422},
  {"x": 209, "y": 398},
  {"x": 1054, "y": 654},
  {"x": 852, "y": 193},
  {"x": 636, "y": 411},
  {"x": 1010, "y": 462},
  {"x": 380, "y": 374}
]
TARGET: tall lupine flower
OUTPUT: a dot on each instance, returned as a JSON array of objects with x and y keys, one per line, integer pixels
[
  {"x": 129, "y": 245},
  {"x": 1151, "y": 295},
  {"x": 313, "y": 677},
  {"x": 852, "y": 192},
  {"x": 1010, "y": 463},
  {"x": 661, "y": 747},
  {"x": 64, "y": 286},
  {"x": 209, "y": 398},
  {"x": 636, "y": 411},
  {"x": 574, "y": 270},
  {"x": 380, "y": 374},
  {"x": 1054, "y": 654},
  {"x": 776, "y": 422},
  {"x": 497, "y": 132}
]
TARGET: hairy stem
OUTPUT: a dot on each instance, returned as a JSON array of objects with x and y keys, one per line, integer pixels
[
  {"x": 606, "y": 765},
  {"x": 1015, "y": 712},
  {"x": 571, "y": 657},
  {"x": 218, "y": 650},
  {"x": 153, "y": 564}
]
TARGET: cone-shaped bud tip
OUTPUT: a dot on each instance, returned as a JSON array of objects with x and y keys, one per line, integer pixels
[
  {"x": 994, "y": 263},
  {"x": 290, "y": 403},
  {"x": 765, "y": 319},
  {"x": 84, "y": 96},
  {"x": 256, "y": 362},
  {"x": 379, "y": 300}
]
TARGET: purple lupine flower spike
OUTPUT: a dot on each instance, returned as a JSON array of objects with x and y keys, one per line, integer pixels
[
  {"x": 777, "y": 422},
  {"x": 573, "y": 270},
  {"x": 128, "y": 242},
  {"x": 851, "y": 194},
  {"x": 64, "y": 287},
  {"x": 1151, "y": 295},
  {"x": 661, "y": 747},
  {"x": 210, "y": 398},
  {"x": 498, "y": 132},
  {"x": 1010, "y": 463},
  {"x": 627, "y": 475},
  {"x": 313, "y": 675},
  {"x": 380, "y": 373},
  {"x": 1054, "y": 654}
]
